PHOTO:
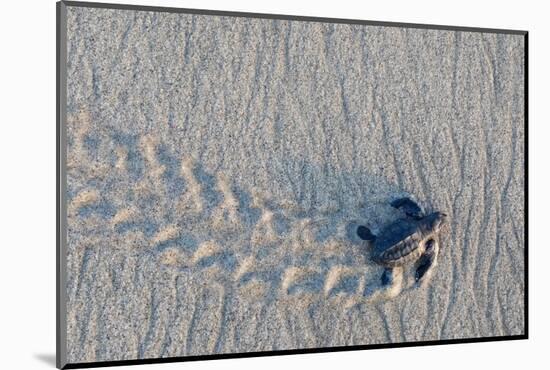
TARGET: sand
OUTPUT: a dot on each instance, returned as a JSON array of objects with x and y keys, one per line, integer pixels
[{"x": 217, "y": 168}]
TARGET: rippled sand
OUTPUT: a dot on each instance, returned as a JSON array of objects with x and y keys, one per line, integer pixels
[{"x": 217, "y": 168}]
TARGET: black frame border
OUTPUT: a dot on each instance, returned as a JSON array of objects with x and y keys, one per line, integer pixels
[{"x": 61, "y": 86}]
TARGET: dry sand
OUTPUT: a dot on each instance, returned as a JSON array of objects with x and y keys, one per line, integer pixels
[{"x": 217, "y": 169}]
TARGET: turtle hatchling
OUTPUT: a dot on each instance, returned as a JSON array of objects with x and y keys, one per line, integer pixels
[{"x": 406, "y": 240}]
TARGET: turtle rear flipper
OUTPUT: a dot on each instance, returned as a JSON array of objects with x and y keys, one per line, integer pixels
[{"x": 364, "y": 233}]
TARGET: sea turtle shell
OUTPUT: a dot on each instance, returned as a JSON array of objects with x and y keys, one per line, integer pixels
[{"x": 398, "y": 243}]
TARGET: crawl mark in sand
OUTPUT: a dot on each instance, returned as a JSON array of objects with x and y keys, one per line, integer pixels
[
  {"x": 264, "y": 232},
  {"x": 191, "y": 201},
  {"x": 335, "y": 275},
  {"x": 171, "y": 257},
  {"x": 122, "y": 158},
  {"x": 148, "y": 146},
  {"x": 168, "y": 232},
  {"x": 246, "y": 265},
  {"x": 225, "y": 217},
  {"x": 84, "y": 198},
  {"x": 124, "y": 215},
  {"x": 205, "y": 250}
]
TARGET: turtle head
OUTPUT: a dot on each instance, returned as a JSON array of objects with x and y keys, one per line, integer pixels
[{"x": 436, "y": 221}]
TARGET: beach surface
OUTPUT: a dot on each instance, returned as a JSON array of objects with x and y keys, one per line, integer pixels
[{"x": 217, "y": 169}]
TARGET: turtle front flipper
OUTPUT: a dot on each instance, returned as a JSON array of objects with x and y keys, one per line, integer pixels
[
  {"x": 427, "y": 261},
  {"x": 408, "y": 206},
  {"x": 364, "y": 233}
]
